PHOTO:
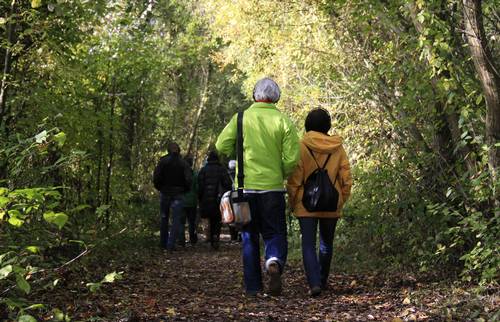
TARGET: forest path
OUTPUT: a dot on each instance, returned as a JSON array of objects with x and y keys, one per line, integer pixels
[{"x": 199, "y": 284}]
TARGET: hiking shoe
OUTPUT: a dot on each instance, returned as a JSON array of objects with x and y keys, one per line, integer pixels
[
  {"x": 274, "y": 279},
  {"x": 315, "y": 291}
]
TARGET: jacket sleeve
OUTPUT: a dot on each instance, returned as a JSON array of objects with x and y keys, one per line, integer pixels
[
  {"x": 158, "y": 175},
  {"x": 294, "y": 182},
  {"x": 345, "y": 175},
  {"x": 226, "y": 180},
  {"x": 291, "y": 150},
  {"x": 226, "y": 142}
]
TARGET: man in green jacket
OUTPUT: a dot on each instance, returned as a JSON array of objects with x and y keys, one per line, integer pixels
[{"x": 270, "y": 154}]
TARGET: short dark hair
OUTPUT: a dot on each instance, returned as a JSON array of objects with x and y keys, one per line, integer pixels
[
  {"x": 318, "y": 120},
  {"x": 173, "y": 147},
  {"x": 213, "y": 156}
]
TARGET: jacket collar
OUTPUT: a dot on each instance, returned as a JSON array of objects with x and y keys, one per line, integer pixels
[{"x": 263, "y": 105}]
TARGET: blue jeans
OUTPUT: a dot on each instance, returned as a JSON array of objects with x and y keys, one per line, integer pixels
[
  {"x": 176, "y": 204},
  {"x": 317, "y": 266},
  {"x": 268, "y": 220}
]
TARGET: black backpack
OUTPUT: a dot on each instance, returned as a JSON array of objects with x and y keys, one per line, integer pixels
[{"x": 319, "y": 192}]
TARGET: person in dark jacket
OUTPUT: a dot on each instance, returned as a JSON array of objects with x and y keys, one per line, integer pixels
[
  {"x": 213, "y": 181},
  {"x": 172, "y": 177}
]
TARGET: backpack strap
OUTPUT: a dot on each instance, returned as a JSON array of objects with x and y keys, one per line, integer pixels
[
  {"x": 317, "y": 164},
  {"x": 327, "y": 159},
  {"x": 312, "y": 154}
]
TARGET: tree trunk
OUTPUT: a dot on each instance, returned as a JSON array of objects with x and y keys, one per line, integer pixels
[
  {"x": 448, "y": 133},
  {"x": 109, "y": 168},
  {"x": 489, "y": 79},
  {"x": 205, "y": 71},
  {"x": 6, "y": 66}
]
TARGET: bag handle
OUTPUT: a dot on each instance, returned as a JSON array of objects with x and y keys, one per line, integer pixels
[{"x": 239, "y": 152}]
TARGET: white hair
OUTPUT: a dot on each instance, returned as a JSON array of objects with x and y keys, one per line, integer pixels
[
  {"x": 266, "y": 90},
  {"x": 232, "y": 164}
]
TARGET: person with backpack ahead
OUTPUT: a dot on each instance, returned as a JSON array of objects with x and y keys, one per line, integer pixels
[
  {"x": 270, "y": 153},
  {"x": 318, "y": 189},
  {"x": 213, "y": 181}
]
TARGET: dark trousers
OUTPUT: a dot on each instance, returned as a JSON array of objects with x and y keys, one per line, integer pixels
[
  {"x": 317, "y": 265},
  {"x": 190, "y": 215},
  {"x": 268, "y": 220},
  {"x": 215, "y": 226}
]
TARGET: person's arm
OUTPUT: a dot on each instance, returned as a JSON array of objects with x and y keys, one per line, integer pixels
[
  {"x": 291, "y": 150},
  {"x": 158, "y": 175},
  {"x": 345, "y": 175},
  {"x": 294, "y": 182},
  {"x": 226, "y": 179},
  {"x": 226, "y": 142}
]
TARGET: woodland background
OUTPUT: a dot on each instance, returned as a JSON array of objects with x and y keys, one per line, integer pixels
[{"x": 91, "y": 92}]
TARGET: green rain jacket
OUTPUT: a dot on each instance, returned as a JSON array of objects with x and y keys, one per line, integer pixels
[{"x": 270, "y": 146}]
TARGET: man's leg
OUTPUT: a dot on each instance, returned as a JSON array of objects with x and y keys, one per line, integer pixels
[
  {"x": 182, "y": 229},
  {"x": 252, "y": 270},
  {"x": 308, "y": 229},
  {"x": 215, "y": 228},
  {"x": 176, "y": 205},
  {"x": 273, "y": 229},
  {"x": 164, "y": 214},
  {"x": 191, "y": 217},
  {"x": 326, "y": 233}
]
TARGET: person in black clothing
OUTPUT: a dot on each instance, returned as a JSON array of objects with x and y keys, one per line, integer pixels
[
  {"x": 172, "y": 177},
  {"x": 213, "y": 181}
]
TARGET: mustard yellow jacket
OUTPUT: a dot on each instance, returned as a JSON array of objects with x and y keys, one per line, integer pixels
[{"x": 337, "y": 167}]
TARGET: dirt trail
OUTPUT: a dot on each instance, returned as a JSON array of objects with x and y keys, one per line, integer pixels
[{"x": 199, "y": 284}]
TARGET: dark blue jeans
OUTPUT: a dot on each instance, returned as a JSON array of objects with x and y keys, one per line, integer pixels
[
  {"x": 176, "y": 204},
  {"x": 268, "y": 220},
  {"x": 317, "y": 266}
]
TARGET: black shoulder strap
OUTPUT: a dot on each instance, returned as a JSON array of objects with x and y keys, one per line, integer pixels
[
  {"x": 312, "y": 154},
  {"x": 239, "y": 150},
  {"x": 327, "y": 159}
]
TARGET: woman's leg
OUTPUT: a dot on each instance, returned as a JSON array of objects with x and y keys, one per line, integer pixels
[
  {"x": 308, "y": 228},
  {"x": 326, "y": 234}
]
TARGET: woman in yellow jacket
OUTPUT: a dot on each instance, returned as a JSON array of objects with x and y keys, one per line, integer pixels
[{"x": 315, "y": 148}]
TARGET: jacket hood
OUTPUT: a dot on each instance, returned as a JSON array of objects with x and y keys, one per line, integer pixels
[{"x": 322, "y": 143}]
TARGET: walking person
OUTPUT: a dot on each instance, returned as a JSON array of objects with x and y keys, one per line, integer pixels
[
  {"x": 172, "y": 178},
  {"x": 318, "y": 149},
  {"x": 190, "y": 206},
  {"x": 270, "y": 153},
  {"x": 213, "y": 181}
]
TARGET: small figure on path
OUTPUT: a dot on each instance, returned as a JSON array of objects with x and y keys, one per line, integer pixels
[
  {"x": 317, "y": 149},
  {"x": 190, "y": 206},
  {"x": 172, "y": 178},
  {"x": 270, "y": 153},
  {"x": 213, "y": 181}
]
